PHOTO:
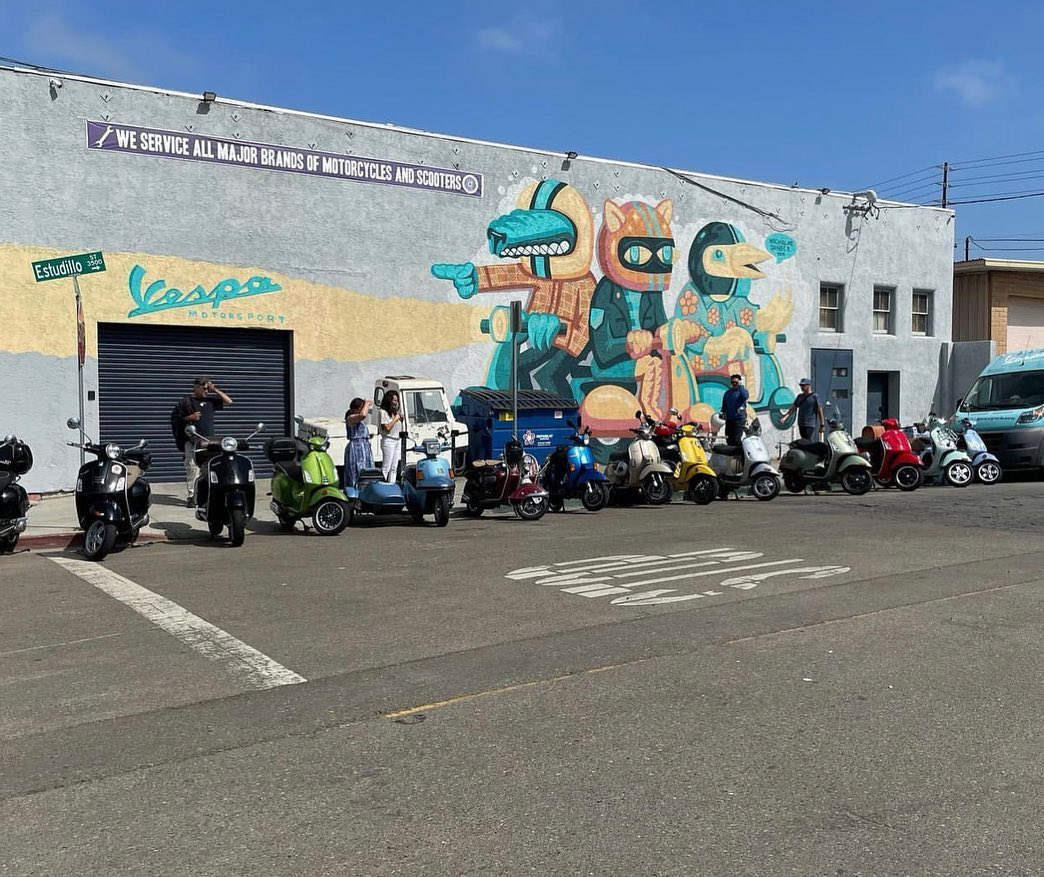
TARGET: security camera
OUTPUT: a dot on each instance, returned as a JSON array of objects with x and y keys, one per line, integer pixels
[
  {"x": 869, "y": 194},
  {"x": 54, "y": 83}
]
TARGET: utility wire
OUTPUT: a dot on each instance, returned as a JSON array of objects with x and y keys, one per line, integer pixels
[
  {"x": 975, "y": 161},
  {"x": 907, "y": 183},
  {"x": 1011, "y": 196},
  {"x": 1014, "y": 175},
  {"x": 904, "y": 176}
]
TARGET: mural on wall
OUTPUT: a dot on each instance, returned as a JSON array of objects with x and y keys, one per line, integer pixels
[
  {"x": 610, "y": 345},
  {"x": 551, "y": 234}
]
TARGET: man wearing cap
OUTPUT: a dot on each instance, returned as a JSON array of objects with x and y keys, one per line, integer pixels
[
  {"x": 809, "y": 411},
  {"x": 197, "y": 409}
]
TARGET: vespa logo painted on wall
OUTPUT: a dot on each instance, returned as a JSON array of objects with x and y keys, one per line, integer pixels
[{"x": 157, "y": 296}]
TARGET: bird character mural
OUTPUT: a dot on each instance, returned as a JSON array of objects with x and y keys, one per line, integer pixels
[
  {"x": 629, "y": 327},
  {"x": 550, "y": 235},
  {"x": 730, "y": 332}
]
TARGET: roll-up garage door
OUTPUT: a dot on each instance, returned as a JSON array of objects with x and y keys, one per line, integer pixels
[
  {"x": 1025, "y": 323},
  {"x": 144, "y": 370}
]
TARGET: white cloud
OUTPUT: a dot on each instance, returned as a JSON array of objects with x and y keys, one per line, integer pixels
[
  {"x": 977, "y": 83},
  {"x": 518, "y": 37},
  {"x": 136, "y": 58}
]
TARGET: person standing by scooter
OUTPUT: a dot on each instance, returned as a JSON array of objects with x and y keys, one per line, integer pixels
[
  {"x": 197, "y": 409},
  {"x": 391, "y": 432},
  {"x": 808, "y": 410},
  {"x": 734, "y": 410},
  {"x": 357, "y": 453}
]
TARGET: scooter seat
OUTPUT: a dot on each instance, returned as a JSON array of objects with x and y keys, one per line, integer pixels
[
  {"x": 728, "y": 450},
  {"x": 819, "y": 449},
  {"x": 483, "y": 464},
  {"x": 371, "y": 475},
  {"x": 618, "y": 455},
  {"x": 866, "y": 444}
]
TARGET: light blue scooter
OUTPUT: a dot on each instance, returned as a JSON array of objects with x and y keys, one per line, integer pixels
[
  {"x": 987, "y": 467},
  {"x": 425, "y": 487}
]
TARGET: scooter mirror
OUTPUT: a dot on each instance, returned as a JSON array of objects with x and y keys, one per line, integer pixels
[
  {"x": 73, "y": 423},
  {"x": 190, "y": 430},
  {"x": 260, "y": 427}
]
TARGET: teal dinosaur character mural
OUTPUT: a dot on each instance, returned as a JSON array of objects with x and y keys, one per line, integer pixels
[
  {"x": 730, "y": 332},
  {"x": 551, "y": 236}
]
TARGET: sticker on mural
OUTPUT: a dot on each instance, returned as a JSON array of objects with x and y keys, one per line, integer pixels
[
  {"x": 608, "y": 342},
  {"x": 624, "y": 576},
  {"x": 137, "y": 140}
]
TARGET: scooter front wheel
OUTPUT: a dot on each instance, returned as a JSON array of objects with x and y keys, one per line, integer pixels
[
  {"x": 99, "y": 540},
  {"x": 702, "y": 490},
  {"x": 908, "y": 478},
  {"x": 8, "y": 543},
  {"x": 596, "y": 496},
  {"x": 236, "y": 527},
  {"x": 532, "y": 508},
  {"x": 656, "y": 489},
  {"x": 765, "y": 487},
  {"x": 442, "y": 511},
  {"x": 329, "y": 517},
  {"x": 988, "y": 472},
  {"x": 958, "y": 474},
  {"x": 856, "y": 481}
]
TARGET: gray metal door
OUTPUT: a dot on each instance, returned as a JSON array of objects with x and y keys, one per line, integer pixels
[
  {"x": 144, "y": 370},
  {"x": 832, "y": 382},
  {"x": 877, "y": 401}
]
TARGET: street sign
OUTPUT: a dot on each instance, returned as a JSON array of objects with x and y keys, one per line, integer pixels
[{"x": 68, "y": 266}]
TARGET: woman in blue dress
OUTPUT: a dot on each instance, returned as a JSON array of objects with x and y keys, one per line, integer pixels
[{"x": 357, "y": 454}]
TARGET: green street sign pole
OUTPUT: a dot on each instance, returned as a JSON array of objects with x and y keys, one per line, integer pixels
[{"x": 73, "y": 266}]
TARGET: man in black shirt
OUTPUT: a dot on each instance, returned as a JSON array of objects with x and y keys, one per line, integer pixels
[
  {"x": 198, "y": 409},
  {"x": 809, "y": 411}
]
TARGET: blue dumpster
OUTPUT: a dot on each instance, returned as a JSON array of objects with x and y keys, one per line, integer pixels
[{"x": 542, "y": 421}]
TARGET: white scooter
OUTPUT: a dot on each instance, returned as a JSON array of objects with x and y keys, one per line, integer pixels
[
  {"x": 744, "y": 465},
  {"x": 639, "y": 471}
]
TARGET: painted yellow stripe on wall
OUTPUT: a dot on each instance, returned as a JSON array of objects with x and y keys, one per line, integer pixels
[{"x": 328, "y": 322}]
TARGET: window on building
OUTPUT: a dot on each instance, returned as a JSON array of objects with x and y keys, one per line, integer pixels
[
  {"x": 883, "y": 310},
  {"x": 921, "y": 317},
  {"x": 831, "y": 299}
]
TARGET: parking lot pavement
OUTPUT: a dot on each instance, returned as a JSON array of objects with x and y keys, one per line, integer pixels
[{"x": 664, "y": 633}]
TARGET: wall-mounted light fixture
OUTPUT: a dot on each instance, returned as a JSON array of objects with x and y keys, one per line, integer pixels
[
  {"x": 571, "y": 155},
  {"x": 209, "y": 97}
]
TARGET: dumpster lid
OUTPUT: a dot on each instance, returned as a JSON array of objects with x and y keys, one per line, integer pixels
[{"x": 527, "y": 399}]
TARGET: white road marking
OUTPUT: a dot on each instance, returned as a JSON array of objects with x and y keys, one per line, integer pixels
[
  {"x": 597, "y": 576},
  {"x": 242, "y": 661}
]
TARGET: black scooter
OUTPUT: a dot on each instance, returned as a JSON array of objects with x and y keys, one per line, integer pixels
[
  {"x": 15, "y": 460},
  {"x": 112, "y": 499},
  {"x": 225, "y": 487}
]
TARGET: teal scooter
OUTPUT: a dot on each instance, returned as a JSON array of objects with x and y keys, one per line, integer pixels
[
  {"x": 304, "y": 484},
  {"x": 425, "y": 487}
]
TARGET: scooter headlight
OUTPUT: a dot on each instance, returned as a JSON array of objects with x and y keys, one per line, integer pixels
[
  {"x": 113, "y": 451},
  {"x": 229, "y": 444}
]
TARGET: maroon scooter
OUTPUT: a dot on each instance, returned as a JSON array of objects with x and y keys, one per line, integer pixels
[
  {"x": 510, "y": 481},
  {"x": 891, "y": 458}
]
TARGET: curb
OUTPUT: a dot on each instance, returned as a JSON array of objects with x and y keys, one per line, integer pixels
[{"x": 70, "y": 540}]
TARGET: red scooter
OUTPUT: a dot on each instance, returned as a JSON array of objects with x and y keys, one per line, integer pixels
[
  {"x": 511, "y": 481},
  {"x": 891, "y": 457}
]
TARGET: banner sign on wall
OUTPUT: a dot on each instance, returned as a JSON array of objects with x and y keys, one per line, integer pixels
[{"x": 186, "y": 146}]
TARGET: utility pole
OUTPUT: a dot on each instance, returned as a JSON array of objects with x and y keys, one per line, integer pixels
[
  {"x": 945, "y": 181},
  {"x": 516, "y": 329},
  {"x": 967, "y": 243}
]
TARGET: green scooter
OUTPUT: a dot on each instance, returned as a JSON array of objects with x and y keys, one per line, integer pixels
[{"x": 305, "y": 483}]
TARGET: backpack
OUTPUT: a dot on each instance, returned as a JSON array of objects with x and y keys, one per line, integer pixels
[{"x": 177, "y": 423}]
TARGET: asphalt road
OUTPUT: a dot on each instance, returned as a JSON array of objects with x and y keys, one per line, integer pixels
[{"x": 820, "y": 685}]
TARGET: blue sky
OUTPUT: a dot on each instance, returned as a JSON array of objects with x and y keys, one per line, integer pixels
[{"x": 817, "y": 93}]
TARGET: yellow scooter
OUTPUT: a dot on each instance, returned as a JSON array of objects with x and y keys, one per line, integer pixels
[{"x": 683, "y": 448}]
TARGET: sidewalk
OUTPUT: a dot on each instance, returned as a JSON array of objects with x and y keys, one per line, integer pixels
[{"x": 52, "y": 519}]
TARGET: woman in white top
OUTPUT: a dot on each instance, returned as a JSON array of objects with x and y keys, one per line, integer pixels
[{"x": 391, "y": 430}]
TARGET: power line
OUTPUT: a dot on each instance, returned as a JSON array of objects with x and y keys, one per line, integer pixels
[
  {"x": 995, "y": 183},
  {"x": 907, "y": 184},
  {"x": 975, "y": 161},
  {"x": 1016, "y": 175},
  {"x": 904, "y": 176},
  {"x": 1010, "y": 196}
]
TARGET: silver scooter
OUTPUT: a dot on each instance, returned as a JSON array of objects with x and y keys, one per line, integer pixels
[
  {"x": 639, "y": 471},
  {"x": 745, "y": 465}
]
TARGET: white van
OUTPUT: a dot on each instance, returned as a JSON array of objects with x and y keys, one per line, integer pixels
[{"x": 426, "y": 410}]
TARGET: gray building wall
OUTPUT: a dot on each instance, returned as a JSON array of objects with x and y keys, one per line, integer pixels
[{"x": 354, "y": 258}]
